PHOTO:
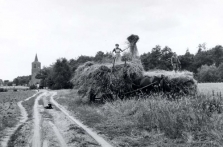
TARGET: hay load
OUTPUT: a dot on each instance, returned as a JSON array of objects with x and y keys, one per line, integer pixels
[
  {"x": 180, "y": 83},
  {"x": 101, "y": 79}
]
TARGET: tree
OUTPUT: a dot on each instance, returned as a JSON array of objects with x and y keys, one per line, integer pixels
[
  {"x": 203, "y": 57},
  {"x": 99, "y": 56},
  {"x": 45, "y": 75},
  {"x": 207, "y": 74},
  {"x": 145, "y": 61},
  {"x": 217, "y": 54},
  {"x": 187, "y": 61},
  {"x": 165, "y": 63},
  {"x": 22, "y": 80},
  {"x": 61, "y": 75}
]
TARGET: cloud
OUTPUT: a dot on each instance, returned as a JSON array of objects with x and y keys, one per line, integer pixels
[{"x": 56, "y": 28}]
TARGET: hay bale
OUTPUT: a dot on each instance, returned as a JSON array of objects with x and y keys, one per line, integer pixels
[
  {"x": 182, "y": 83},
  {"x": 106, "y": 79}
]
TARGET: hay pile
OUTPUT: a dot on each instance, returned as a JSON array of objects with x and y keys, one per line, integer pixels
[
  {"x": 133, "y": 39},
  {"x": 105, "y": 79},
  {"x": 182, "y": 83}
]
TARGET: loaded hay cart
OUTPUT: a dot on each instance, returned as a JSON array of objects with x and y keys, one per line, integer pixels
[
  {"x": 107, "y": 82},
  {"x": 102, "y": 82}
]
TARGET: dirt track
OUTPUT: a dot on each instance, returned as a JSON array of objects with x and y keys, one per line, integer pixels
[{"x": 52, "y": 127}]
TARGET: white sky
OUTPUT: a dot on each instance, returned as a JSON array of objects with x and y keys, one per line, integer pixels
[{"x": 70, "y": 28}]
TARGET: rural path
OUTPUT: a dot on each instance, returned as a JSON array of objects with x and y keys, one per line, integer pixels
[{"x": 23, "y": 119}]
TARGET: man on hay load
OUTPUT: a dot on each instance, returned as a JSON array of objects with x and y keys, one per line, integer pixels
[
  {"x": 132, "y": 39},
  {"x": 117, "y": 51},
  {"x": 175, "y": 62}
]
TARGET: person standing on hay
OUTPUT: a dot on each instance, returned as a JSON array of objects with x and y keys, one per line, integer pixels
[
  {"x": 117, "y": 51},
  {"x": 175, "y": 62}
]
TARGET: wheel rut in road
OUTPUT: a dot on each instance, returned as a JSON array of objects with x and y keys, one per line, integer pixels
[{"x": 36, "y": 141}]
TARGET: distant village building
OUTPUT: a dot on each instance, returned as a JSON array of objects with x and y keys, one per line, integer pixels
[
  {"x": 1, "y": 82},
  {"x": 36, "y": 67}
]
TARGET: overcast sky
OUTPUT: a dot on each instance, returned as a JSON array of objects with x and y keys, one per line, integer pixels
[{"x": 70, "y": 28}]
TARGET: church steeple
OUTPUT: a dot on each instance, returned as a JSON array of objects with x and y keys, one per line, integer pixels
[
  {"x": 36, "y": 67},
  {"x": 36, "y": 58}
]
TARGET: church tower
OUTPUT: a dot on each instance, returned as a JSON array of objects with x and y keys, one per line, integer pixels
[{"x": 36, "y": 67}]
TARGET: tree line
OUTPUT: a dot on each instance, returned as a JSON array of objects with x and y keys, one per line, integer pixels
[
  {"x": 206, "y": 64},
  {"x": 58, "y": 75}
]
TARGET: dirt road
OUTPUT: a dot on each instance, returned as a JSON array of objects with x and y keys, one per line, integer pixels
[{"x": 52, "y": 127}]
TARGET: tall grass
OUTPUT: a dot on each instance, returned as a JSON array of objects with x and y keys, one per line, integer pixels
[{"x": 154, "y": 120}]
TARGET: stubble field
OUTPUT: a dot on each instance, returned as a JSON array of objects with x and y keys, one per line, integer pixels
[{"x": 9, "y": 111}]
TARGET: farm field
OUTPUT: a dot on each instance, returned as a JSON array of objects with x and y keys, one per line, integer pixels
[
  {"x": 9, "y": 111},
  {"x": 154, "y": 121}
]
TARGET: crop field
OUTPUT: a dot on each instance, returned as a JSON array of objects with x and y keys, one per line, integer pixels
[
  {"x": 155, "y": 121},
  {"x": 9, "y": 111}
]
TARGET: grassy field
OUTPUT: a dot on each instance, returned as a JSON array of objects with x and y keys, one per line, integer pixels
[
  {"x": 155, "y": 121},
  {"x": 210, "y": 88},
  {"x": 9, "y": 111}
]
